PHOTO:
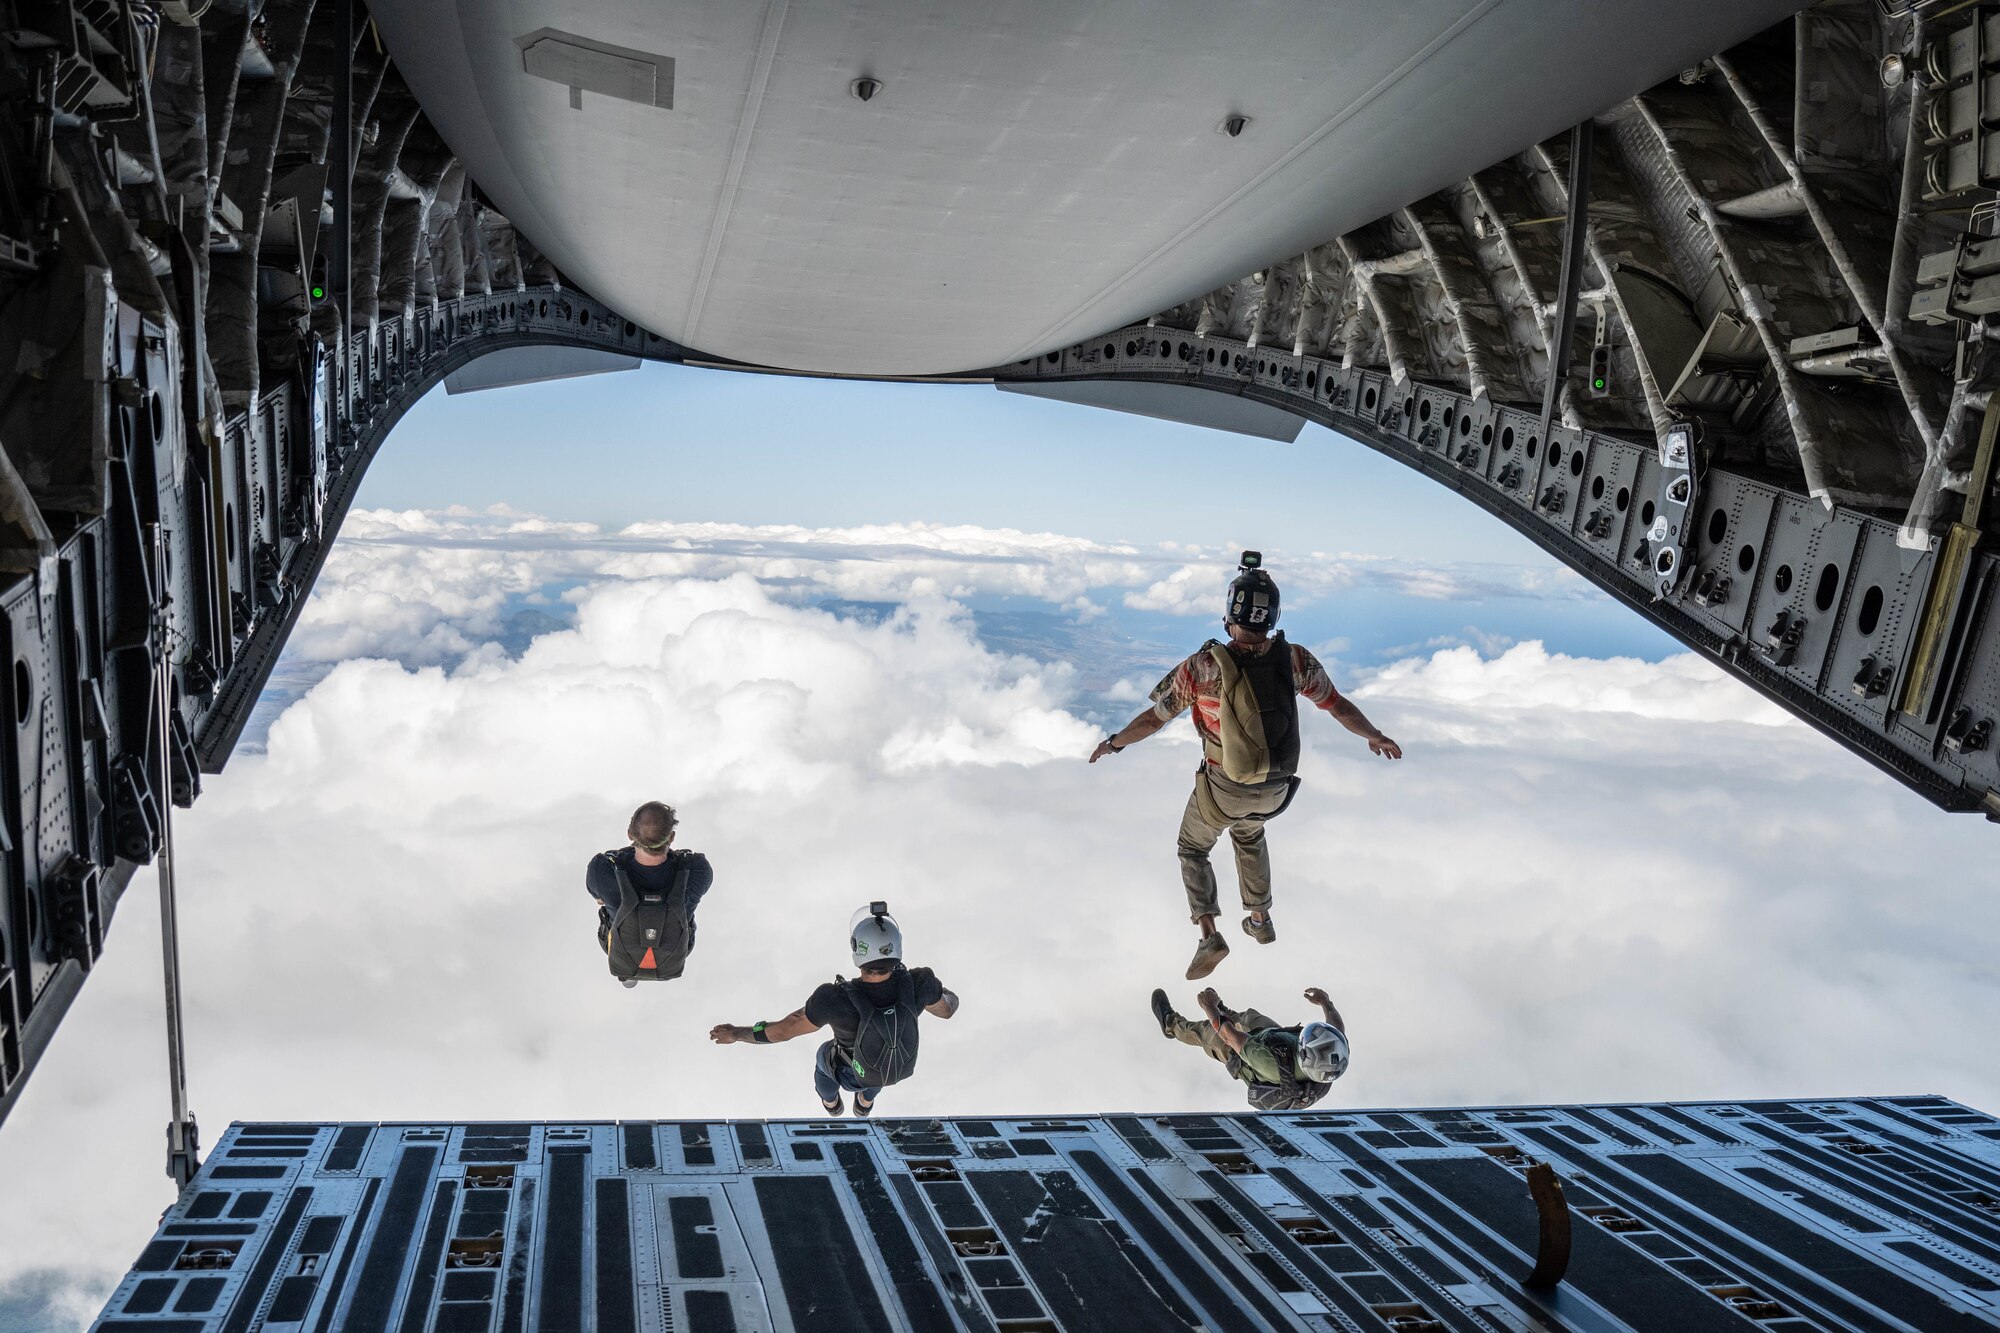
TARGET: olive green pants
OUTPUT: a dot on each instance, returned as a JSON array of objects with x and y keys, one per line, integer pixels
[
  {"x": 1200, "y": 1032},
  {"x": 1216, "y": 806}
]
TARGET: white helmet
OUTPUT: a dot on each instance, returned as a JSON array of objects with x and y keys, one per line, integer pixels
[
  {"x": 1322, "y": 1052},
  {"x": 874, "y": 936}
]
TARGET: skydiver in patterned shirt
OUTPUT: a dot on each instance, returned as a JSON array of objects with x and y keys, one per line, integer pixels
[{"x": 1245, "y": 701}]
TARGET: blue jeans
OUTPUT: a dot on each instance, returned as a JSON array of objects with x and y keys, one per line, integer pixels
[{"x": 829, "y": 1078}]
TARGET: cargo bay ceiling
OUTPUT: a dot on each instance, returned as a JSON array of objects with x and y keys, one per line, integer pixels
[
  {"x": 1697, "y": 296},
  {"x": 1026, "y": 174}
]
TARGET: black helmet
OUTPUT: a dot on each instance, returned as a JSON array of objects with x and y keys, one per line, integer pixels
[{"x": 1253, "y": 597}]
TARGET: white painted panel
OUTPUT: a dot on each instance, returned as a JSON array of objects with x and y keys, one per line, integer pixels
[{"x": 1029, "y": 174}]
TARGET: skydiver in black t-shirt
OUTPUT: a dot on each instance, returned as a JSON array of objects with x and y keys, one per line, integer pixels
[{"x": 873, "y": 1017}]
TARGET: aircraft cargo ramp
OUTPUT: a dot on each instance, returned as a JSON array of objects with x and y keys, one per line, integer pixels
[{"x": 1851, "y": 1214}]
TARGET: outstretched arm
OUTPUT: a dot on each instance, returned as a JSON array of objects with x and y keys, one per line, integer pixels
[
  {"x": 794, "y": 1024},
  {"x": 946, "y": 1006},
  {"x": 1316, "y": 685},
  {"x": 1347, "y": 715},
  {"x": 1317, "y": 996},
  {"x": 1131, "y": 733}
]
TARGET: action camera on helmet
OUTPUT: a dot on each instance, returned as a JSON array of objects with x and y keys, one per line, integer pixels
[{"x": 1253, "y": 597}]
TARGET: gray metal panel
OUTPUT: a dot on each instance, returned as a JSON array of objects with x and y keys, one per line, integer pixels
[
  {"x": 1850, "y": 1214},
  {"x": 1171, "y": 402},
  {"x": 533, "y": 365}
]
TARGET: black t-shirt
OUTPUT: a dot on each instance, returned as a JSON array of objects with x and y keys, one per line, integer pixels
[
  {"x": 603, "y": 882},
  {"x": 828, "y": 1007}
]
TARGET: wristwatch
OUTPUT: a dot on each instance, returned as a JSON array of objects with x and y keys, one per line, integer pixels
[{"x": 1111, "y": 741}]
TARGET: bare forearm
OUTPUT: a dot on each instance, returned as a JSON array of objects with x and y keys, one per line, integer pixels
[
  {"x": 1138, "y": 729},
  {"x": 1325, "y": 1003},
  {"x": 945, "y": 1007},
  {"x": 1345, "y": 713},
  {"x": 794, "y": 1024},
  {"x": 1131, "y": 733}
]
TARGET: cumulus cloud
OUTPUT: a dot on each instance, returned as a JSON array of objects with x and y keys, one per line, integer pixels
[
  {"x": 1492, "y": 691},
  {"x": 50, "y": 1299},
  {"x": 1589, "y": 878}
]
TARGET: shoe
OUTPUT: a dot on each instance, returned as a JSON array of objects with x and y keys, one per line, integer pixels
[
  {"x": 861, "y": 1108},
  {"x": 1163, "y": 1014},
  {"x": 628, "y": 982},
  {"x": 1207, "y": 956},
  {"x": 1265, "y": 933},
  {"x": 838, "y": 1106}
]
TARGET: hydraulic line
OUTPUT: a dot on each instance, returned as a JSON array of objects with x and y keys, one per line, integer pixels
[
  {"x": 1576, "y": 244},
  {"x": 340, "y": 258},
  {"x": 183, "y": 1135}
]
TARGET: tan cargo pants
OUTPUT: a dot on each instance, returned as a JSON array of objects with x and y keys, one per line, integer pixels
[
  {"x": 1200, "y": 1032},
  {"x": 1216, "y": 806}
]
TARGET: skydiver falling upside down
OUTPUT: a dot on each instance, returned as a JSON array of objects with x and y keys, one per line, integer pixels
[
  {"x": 1245, "y": 699},
  {"x": 1286, "y": 1068}
]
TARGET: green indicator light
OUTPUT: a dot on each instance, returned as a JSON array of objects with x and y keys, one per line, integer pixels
[
  {"x": 319, "y": 292},
  {"x": 1597, "y": 384}
]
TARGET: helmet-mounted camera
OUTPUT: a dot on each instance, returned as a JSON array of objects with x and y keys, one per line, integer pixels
[
  {"x": 874, "y": 938},
  {"x": 1253, "y": 596}
]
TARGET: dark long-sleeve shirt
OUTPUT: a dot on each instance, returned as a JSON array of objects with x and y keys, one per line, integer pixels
[{"x": 602, "y": 880}]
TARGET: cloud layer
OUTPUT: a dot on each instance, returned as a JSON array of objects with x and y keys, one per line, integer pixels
[
  {"x": 429, "y": 586},
  {"x": 1589, "y": 879}
]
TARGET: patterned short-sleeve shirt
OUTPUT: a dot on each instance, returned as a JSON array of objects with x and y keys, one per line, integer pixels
[{"x": 1197, "y": 683}]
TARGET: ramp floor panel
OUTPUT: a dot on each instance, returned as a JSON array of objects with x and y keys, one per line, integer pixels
[{"x": 1702, "y": 1215}]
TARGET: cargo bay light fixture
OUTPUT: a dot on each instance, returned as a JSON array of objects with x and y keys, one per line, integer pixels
[{"x": 583, "y": 65}]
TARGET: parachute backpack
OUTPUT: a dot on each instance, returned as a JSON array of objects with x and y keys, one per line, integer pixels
[
  {"x": 885, "y": 1039},
  {"x": 1293, "y": 1091},
  {"x": 650, "y": 935},
  {"x": 1258, "y": 720}
]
